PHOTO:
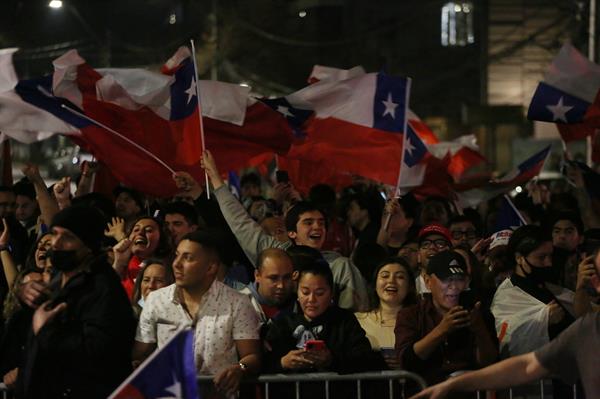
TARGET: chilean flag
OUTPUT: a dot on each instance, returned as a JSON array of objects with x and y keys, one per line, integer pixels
[
  {"x": 157, "y": 112},
  {"x": 525, "y": 171},
  {"x": 356, "y": 127},
  {"x": 170, "y": 372},
  {"x": 568, "y": 96}
]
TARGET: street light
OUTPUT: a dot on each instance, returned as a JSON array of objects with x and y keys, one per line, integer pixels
[{"x": 55, "y": 4}]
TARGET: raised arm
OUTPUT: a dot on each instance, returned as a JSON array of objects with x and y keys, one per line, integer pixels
[
  {"x": 48, "y": 205},
  {"x": 251, "y": 237}
]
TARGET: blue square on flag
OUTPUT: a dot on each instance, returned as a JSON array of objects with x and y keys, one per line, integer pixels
[
  {"x": 170, "y": 372},
  {"x": 389, "y": 103},
  {"x": 553, "y": 105},
  {"x": 415, "y": 149},
  {"x": 295, "y": 117},
  {"x": 38, "y": 92},
  {"x": 184, "y": 99}
]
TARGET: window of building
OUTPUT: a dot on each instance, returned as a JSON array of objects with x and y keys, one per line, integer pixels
[{"x": 457, "y": 24}]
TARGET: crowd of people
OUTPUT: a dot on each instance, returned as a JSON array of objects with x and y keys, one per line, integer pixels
[{"x": 279, "y": 282}]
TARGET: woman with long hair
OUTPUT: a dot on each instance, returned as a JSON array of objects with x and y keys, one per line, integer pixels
[{"x": 394, "y": 288}]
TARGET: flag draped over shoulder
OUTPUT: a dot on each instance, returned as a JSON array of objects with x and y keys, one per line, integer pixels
[
  {"x": 170, "y": 372},
  {"x": 568, "y": 95}
]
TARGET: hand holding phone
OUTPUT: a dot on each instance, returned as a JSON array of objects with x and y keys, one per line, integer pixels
[{"x": 314, "y": 345}]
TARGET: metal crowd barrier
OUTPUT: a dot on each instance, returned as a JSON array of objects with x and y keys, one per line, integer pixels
[
  {"x": 399, "y": 376},
  {"x": 392, "y": 376}
]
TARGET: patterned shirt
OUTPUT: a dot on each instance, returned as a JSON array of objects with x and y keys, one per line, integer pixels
[{"x": 223, "y": 317}]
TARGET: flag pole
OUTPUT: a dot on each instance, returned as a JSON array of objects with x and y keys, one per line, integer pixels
[
  {"x": 133, "y": 143},
  {"x": 514, "y": 208},
  {"x": 200, "y": 113},
  {"x": 404, "y": 134}
]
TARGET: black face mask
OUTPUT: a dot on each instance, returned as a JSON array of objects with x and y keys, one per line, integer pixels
[
  {"x": 64, "y": 261},
  {"x": 539, "y": 275}
]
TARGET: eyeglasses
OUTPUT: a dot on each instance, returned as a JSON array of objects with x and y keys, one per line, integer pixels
[
  {"x": 439, "y": 244},
  {"x": 458, "y": 234}
]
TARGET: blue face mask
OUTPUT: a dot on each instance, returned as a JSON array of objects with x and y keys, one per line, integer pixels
[{"x": 141, "y": 302}]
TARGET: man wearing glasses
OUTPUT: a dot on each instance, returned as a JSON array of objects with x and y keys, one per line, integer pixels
[
  {"x": 432, "y": 239},
  {"x": 463, "y": 232}
]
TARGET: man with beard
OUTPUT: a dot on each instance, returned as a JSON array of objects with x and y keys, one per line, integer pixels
[
  {"x": 81, "y": 337},
  {"x": 273, "y": 289}
]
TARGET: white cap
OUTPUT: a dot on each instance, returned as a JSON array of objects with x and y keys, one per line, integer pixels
[{"x": 500, "y": 238}]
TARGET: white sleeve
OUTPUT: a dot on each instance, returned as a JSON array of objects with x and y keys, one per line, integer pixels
[
  {"x": 146, "y": 328},
  {"x": 246, "y": 324}
]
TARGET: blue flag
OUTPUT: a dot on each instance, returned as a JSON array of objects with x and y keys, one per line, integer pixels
[{"x": 169, "y": 372}]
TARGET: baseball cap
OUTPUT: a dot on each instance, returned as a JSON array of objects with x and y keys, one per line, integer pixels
[
  {"x": 446, "y": 264},
  {"x": 134, "y": 194},
  {"x": 434, "y": 228},
  {"x": 500, "y": 238}
]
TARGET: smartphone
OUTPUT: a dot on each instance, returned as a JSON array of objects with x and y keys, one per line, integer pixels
[
  {"x": 466, "y": 300},
  {"x": 388, "y": 352},
  {"x": 590, "y": 246},
  {"x": 282, "y": 176},
  {"x": 314, "y": 345}
]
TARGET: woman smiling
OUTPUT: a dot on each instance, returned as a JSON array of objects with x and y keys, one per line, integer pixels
[{"x": 394, "y": 288}]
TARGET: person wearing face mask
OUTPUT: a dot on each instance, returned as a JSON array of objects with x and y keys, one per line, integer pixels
[
  {"x": 82, "y": 328},
  {"x": 529, "y": 309}
]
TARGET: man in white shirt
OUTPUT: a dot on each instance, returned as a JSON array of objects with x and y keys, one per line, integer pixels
[{"x": 226, "y": 327}]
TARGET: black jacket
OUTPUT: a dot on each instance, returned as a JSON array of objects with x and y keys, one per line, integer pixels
[
  {"x": 343, "y": 336},
  {"x": 86, "y": 351}
]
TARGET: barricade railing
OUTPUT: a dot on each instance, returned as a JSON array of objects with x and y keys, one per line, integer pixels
[
  {"x": 399, "y": 376},
  {"x": 393, "y": 377}
]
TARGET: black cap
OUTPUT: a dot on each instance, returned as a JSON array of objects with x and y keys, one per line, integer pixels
[
  {"x": 85, "y": 222},
  {"x": 134, "y": 194},
  {"x": 447, "y": 263}
]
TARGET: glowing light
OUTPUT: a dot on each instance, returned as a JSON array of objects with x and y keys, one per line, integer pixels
[
  {"x": 518, "y": 189},
  {"x": 55, "y": 4},
  {"x": 302, "y": 14},
  {"x": 172, "y": 19}
]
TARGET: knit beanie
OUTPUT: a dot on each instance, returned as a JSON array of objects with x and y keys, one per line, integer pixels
[{"x": 85, "y": 222}]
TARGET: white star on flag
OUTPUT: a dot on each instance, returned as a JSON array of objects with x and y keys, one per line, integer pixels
[
  {"x": 390, "y": 106},
  {"x": 174, "y": 389},
  {"x": 559, "y": 111},
  {"x": 285, "y": 111},
  {"x": 409, "y": 147},
  {"x": 191, "y": 91}
]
